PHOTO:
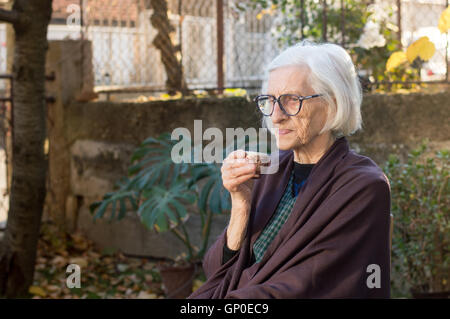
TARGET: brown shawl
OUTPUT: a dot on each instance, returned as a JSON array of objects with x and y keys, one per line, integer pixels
[{"x": 339, "y": 226}]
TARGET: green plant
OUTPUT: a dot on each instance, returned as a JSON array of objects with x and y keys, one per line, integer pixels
[
  {"x": 420, "y": 205},
  {"x": 304, "y": 19},
  {"x": 366, "y": 29},
  {"x": 159, "y": 190}
]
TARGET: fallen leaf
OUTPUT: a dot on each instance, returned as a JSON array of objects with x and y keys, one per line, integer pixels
[
  {"x": 134, "y": 278},
  {"x": 136, "y": 287},
  {"x": 40, "y": 267},
  {"x": 115, "y": 281},
  {"x": 38, "y": 291},
  {"x": 122, "y": 267},
  {"x": 80, "y": 261},
  {"x": 146, "y": 295},
  {"x": 94, "y": 255},
  {"x": 149, "y": 266},
  {"x": 54, "y": 295},
  {"x": 197, "y": 283},
  {"x": 59, "y": 261},
  {"x": 52, "y": 288},
  {"x": 91, "y": 289},
  {"x": 122, "y": 288}
]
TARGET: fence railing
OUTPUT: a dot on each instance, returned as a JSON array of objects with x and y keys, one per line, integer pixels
[{"x": 214, "y": 44}]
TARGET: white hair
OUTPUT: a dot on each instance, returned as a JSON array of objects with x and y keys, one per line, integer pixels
[{"x": 333, "y": 74}]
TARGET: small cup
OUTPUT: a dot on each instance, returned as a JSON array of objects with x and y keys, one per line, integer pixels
[{"x": 260, "y": 159}]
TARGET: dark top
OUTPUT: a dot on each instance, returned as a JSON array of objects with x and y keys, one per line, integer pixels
[{"x": 301, "y": 172}]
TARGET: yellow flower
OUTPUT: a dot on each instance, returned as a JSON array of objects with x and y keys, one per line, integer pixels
[
  {"x": 444, "y": 20},
  {"x": 269, "y": 11},
  {"x": 235, "y": 92},
  {"x": 396, "y": 59},
  {"x": 422, "y": 48}
]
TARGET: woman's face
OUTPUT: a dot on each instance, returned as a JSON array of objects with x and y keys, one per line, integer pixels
[{"x": 296, "y": 131}]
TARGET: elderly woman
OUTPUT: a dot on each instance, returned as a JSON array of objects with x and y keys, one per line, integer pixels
[{"x": 319, "y": 226}]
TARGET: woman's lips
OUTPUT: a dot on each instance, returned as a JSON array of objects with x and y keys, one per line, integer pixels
[{"x": 284, "y": 132}]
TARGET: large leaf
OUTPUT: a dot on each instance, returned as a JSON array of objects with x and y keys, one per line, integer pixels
[
  {"x": 204, "y": 194},
  {"x": 157, "y": 212},
  {"x": 395, "y": 60},
  {"x": 152, "y": 164},
  {"x": 214, "y": 201},
  {"x": 422, "y": 48},
  {"x": 111, "y": 199}
]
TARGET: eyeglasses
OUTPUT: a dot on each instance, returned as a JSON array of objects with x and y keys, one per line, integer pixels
[{"x": 290, "y": 104}]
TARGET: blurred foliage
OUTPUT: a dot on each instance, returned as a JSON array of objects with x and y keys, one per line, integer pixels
[
  {"x": 444, "y": 21},
  {"x": 193, "y": 94},
  {"x": 370, "y": 49},
  {"x": 406, "y": 66},
  {"x": 288, "y": 28},
  {"x": 420, "y": 194}
]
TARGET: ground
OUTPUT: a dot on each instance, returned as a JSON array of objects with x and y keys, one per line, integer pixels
[{"x": 104, "y": 273}]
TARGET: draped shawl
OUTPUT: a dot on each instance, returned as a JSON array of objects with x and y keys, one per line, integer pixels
[{"x": 334, "y": 244}]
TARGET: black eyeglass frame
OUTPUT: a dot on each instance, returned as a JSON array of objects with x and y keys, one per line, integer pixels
[{"x": 300, "y": 98}]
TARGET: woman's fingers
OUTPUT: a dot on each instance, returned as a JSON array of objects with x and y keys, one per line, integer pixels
[
  {"x": 238, "y": 154},
  {"x": 236, "y": 171},
  {"x": 235, "y": 159},
  {"x": 232, "y": 184}
]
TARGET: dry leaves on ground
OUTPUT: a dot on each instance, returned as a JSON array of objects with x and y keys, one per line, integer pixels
[{"x": 103, "y": 274}]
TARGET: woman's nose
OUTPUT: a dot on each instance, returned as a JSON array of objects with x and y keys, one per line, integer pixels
[{"x": 278, "y": 114}]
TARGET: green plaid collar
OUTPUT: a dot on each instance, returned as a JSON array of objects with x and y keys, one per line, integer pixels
[{"x": 274, "y": 225}]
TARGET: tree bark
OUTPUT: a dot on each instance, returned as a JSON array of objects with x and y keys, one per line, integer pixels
[
  {"x": 18, "y": 248},
  {"x": 175, "y": 80}
]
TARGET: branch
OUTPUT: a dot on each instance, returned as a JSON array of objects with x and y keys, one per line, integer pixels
[{"x": 10, "y": 16}]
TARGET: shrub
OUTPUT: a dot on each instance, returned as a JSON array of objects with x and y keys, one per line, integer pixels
[{"x": 420, "y": 205}]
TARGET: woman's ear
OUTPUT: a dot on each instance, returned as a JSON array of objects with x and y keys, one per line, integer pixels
[{"x": 333, "y": 108}]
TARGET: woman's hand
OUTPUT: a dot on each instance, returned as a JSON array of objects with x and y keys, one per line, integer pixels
[{"x": 237, "y": 173}]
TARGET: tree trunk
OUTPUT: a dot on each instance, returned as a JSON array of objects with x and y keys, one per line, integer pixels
[
  {"x": 160, "y": 20},
  {"x": 18, "y": 249}
]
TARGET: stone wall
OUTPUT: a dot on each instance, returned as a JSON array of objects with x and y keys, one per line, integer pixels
[
  {"x": 397, "y": 123},
  {"x": 102, "y": 136}
]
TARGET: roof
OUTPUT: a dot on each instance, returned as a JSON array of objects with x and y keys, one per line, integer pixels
[{"x": 106, "y": 12}]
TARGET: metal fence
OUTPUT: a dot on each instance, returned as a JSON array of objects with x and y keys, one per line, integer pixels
[{"x": 161, "y": 45}]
